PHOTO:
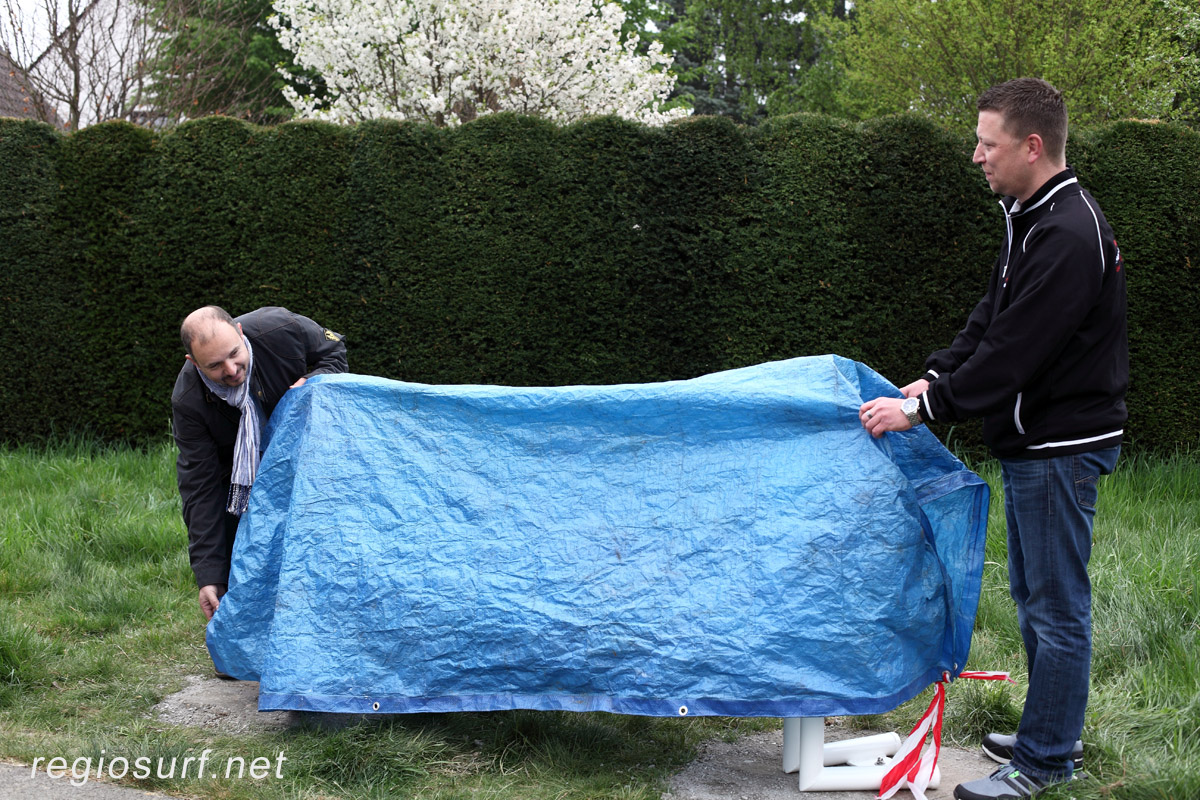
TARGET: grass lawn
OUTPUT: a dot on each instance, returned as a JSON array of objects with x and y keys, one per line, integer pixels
[{"x": 98, "y": 622}]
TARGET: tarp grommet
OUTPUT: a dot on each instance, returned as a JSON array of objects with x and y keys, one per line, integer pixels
[
  {"x": 683, "y": 711},
  {"x": 375, "y": 706}
]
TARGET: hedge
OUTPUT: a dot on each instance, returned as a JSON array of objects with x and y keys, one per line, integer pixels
[{"x": 512, "y": 250}]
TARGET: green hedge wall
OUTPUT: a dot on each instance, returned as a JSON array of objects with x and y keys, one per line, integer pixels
[
  {"x": 512, "y": 250},
  {"x": 38, "y": 293}
]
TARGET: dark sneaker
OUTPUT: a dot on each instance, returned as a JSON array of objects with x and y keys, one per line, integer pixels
[
  {"x": 999, "y": 748},
  {"x": 1006, "y": 783}
]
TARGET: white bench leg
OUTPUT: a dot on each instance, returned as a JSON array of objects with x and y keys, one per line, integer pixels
[{"x": 866, "y": 759}]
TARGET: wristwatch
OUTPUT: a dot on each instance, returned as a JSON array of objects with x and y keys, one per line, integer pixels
[{"x": 910, "y": 408}]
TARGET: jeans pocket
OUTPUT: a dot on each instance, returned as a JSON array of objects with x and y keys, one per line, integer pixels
[
  {"x": 1088, "y": 468},
  {"x": 1087, "y": 490}
]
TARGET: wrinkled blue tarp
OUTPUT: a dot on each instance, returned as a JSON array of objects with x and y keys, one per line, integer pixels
[{"x": 734, "y": 544}]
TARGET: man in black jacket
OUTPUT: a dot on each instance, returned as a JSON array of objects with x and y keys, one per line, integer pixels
[
  {"x": 1044, "y": 361},
  {"x": 235, "y": 373}
]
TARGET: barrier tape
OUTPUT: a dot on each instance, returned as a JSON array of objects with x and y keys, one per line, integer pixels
[{"x": 914, "y": 762}]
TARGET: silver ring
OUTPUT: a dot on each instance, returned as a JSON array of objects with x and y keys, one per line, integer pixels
[{"x": 870, "y": 414}]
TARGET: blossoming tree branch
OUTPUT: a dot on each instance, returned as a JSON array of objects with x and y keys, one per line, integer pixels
[{"x": 450, "y": 61}]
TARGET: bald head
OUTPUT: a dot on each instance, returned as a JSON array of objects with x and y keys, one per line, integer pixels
[
  {"x": 202, "y": 325},
  {"x": 215, "y": 345}
]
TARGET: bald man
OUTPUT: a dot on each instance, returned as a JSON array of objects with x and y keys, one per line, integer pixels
[{"x": 236, "y": 371}]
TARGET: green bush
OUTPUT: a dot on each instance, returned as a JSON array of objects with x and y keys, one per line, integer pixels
[
  {"x": 512, "y": 250},
  {"x": 39, "y": 296}
]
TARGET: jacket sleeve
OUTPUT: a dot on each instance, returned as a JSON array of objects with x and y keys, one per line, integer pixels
[
  {"x": 203, "y": 488},
  {"x": 1057, "y": 289},
  {"x": 325, "y": 351},
  {"x": 966, "y": 342}
]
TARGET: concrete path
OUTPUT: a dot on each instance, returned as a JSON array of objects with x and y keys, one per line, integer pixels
[
  {"x": 751, "y": 769},
  {"x": 19, "y": 782}
]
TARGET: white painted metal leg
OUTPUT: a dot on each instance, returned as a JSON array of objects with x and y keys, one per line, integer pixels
[{"x": 850, "y": 765}]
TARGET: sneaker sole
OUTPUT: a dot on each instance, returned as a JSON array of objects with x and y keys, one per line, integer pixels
[
  {"x": 997, "y": 757},
  {"x": 1004, "y": 758}
]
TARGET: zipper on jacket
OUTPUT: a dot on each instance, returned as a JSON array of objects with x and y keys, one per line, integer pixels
[
  {"x": 1007, "y": 249},
  {"x": 1017, "y": 414}
]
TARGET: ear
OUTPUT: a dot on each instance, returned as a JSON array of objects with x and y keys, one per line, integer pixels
[
  {"x": 1035, "y": 148},
  {"x": 189, "y": 358}
]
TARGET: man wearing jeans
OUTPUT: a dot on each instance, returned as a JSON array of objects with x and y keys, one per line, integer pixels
[{"x": 1043, "y": 359}]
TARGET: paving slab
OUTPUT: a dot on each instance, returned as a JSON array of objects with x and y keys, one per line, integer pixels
[
  {"x": 20, "y": 782},
  {"x": 751, "y": 768}
]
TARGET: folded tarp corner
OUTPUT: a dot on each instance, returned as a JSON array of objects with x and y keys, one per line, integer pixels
[{"x": 735, "y": 544}]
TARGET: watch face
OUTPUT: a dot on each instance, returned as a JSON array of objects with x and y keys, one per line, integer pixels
[{"x": 909, "y": 405}]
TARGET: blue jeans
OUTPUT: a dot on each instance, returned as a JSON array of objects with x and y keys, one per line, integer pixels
[{"x": 1049, "y": 505}]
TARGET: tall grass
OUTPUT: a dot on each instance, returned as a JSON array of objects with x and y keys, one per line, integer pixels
[{"x": 98, "y": 622}]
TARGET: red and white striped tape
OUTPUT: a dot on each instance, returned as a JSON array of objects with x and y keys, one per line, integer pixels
[{"x": 916, "y": 763}]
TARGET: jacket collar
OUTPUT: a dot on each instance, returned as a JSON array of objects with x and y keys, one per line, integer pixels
[{"x": 1014, "y": 207}]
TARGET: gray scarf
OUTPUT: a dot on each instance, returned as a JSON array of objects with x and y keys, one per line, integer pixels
[{"x": 246, "y": 449}]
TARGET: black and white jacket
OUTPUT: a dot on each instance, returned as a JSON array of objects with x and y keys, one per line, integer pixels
[{"x": 1044, "y": 357}]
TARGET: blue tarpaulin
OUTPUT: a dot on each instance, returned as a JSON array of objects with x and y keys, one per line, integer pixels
[{"x": 734, "y": 544}]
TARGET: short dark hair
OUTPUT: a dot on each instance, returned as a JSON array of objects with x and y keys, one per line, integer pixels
[
  {"x": 1030, "y": 105},
  {"x": 208, "y": 314}
]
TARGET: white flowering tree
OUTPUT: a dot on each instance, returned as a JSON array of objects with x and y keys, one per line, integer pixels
[{"x": 449, "y": 61}]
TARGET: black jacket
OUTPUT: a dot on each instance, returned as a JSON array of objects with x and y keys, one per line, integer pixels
[
  {"x": 286, "y": 347},
  {"x": 1043, "y": 357}
]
